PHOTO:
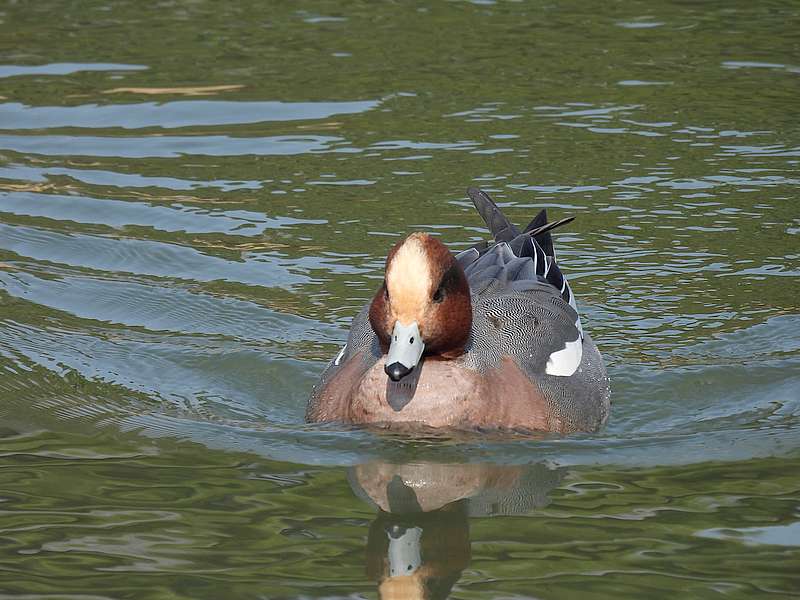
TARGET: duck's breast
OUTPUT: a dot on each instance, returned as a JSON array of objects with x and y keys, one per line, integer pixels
[{"x": 446, "y": 393}]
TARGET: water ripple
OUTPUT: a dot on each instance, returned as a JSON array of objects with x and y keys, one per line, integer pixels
[
  {"x": 64, "y": 68},
  {"x": 158, "y": 146},
  {"x": 172, "y": 115},
  {"x": 122, "y": 214}
]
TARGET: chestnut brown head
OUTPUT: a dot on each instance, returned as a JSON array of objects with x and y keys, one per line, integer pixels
[{"x": 423, "y": 305}]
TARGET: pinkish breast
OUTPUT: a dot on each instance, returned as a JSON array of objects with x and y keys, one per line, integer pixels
[{"x": 444, "y": 393}]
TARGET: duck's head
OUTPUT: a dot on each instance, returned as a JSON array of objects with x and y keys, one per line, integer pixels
[{"x": 423, "y": 305}]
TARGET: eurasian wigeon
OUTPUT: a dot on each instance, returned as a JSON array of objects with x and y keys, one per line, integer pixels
[{"x": 487, "y": 338}]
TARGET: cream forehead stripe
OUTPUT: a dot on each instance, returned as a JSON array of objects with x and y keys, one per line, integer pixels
[{"x": 409, "y": 279}]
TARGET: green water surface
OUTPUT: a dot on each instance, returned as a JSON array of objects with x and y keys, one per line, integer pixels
[{"x": 196, "y": 198}]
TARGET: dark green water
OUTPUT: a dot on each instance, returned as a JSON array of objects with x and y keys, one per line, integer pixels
[{"x": 196, "y": 197}]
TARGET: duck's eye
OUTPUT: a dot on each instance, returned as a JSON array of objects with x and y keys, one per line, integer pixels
[{"x": 438, "y": 296}]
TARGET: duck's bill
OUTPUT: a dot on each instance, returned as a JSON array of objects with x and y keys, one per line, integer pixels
[
  {"x": 405, "y": 350},
  {"x": 405, "y": 550}
]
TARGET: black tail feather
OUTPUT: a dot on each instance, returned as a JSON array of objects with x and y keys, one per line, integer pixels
[
  {"x": 537, "y": 221},
  {"x": 542, "y": 234},
  {"x": 544, "y": 239},
  {"x": 504, "y": 231}
]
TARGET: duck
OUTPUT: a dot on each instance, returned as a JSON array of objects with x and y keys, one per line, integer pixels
[{"x": 488, "y": 338}]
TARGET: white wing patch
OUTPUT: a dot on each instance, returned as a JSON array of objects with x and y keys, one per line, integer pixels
[
  {"x": 564, "y": 362},
  {"x": 339, "y": 356}
]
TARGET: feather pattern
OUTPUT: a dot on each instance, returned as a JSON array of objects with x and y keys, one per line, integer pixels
[{"x": 506, "y": 261}]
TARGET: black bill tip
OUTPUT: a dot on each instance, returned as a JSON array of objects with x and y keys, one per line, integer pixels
[{"x": 396, "y": 371}]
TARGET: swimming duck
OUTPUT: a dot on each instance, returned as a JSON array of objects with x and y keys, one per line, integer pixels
[{"x": 486, "y": 338}]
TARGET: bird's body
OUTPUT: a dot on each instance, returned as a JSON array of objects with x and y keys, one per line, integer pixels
[{"x": 488, "y": 338}]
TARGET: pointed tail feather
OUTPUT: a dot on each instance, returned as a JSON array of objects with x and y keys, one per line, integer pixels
[
  {"x": 549, "y": 226},
  {"x": 502, "y": 229},
  {"x": 540, "y": 229},
  {"x": 544, "y": 240},
  {"x": 537, "y": 221}
]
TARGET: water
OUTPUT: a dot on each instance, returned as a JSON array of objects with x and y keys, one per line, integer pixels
[{"x": 195, "y": 198}]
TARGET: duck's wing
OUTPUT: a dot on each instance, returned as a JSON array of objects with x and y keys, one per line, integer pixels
[
  {"x": 516, "y": 260},
  {"x": 540, "y": 333},
  {"x": 534, "y": 326},
  {"x": 521, "y": 300}
]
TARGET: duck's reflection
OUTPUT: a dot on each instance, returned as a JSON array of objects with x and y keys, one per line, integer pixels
[
  {"x": 419, "y": 543},
  {"x": 420, "y": 555}
]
